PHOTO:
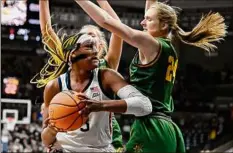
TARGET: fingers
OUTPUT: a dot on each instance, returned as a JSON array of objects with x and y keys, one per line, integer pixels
[
  {"x": 87, "y": 109},
  {"x": 85, "y": 112},
  {"x": 48, "y": 123},
  {"x": 91, "y": 106},
  {"x": 45, "y": 123},
  {"x": 89, "y": 101},
  {"x": 81, "y": 96},
  {"x": 54, "y": 128}
]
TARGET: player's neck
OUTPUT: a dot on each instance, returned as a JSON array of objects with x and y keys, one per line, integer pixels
[{"x": 80, "y": 75}]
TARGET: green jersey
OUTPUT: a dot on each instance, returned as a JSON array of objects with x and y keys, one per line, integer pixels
[
  {"x": 156, "y": 79},
  {"x": 156, "y": 132}
]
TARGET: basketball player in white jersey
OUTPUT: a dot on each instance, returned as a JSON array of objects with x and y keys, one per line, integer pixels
[
  {"x": 54, "y": 43},
  {"x": 97, "y": 84}
]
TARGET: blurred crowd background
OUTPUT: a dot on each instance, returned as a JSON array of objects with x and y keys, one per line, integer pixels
[{"x": 203, "y": 91}]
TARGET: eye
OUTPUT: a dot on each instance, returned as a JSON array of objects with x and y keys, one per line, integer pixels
[
  {"x": 88, "y": 48},
  {"x": 92, "y": 34}
]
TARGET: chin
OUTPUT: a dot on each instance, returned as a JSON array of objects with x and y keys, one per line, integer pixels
[{"x": 93, "y": 66}]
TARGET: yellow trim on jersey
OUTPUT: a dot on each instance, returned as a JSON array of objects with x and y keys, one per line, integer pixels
[{"x": 120, "y": 150}]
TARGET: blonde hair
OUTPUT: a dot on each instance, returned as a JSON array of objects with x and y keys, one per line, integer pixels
[
  {"x": 58, "y": 62},
  {"x": 104, "y": 45},
  {"x": 210, "y": 28}
]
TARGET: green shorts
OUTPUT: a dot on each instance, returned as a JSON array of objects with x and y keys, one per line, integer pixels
[
  {"x": 117, "y": 141},
  {"x": 150, "y": 134}
]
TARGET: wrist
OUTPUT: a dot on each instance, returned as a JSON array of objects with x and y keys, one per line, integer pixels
[
  {"x": 103, "y": 106},
  {"x": 51, "y": 130}
]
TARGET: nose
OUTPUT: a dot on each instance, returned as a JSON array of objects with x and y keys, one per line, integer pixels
[{"x": 143, "y": 22}]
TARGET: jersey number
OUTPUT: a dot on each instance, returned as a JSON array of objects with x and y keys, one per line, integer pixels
[
  {"x": 171, "y": 69},
  {"x": 86, "y": 128}
]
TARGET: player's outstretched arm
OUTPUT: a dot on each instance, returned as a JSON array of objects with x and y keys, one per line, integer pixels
[
  {"x": 132, "y": 101},
  {"x": 146, "y": 43},
  {"x": 115, "y": 45},
  {"x": 48, "y": 135},
  {"x": 49, "y": 36}
]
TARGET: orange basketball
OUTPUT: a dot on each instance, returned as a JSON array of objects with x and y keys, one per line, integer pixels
[{"x": 64, "y": 111}]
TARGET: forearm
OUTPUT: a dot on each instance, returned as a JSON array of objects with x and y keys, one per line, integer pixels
[
  {"x": 45, "y": 18},
  {"x": 115, "y": 45},
  {"x": 117, "y": 106},
  {"x": 114, "y": 52},
  {"x": 49, "y": 37},
  {"x": 103, "y": 19},
  {"x": 48, "y": 136},
  {"x": 96, "y": 13},
  {"x": 105, "y": 6}
]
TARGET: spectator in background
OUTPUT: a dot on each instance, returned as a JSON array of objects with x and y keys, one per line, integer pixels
[{"x": 5, "y": 140}]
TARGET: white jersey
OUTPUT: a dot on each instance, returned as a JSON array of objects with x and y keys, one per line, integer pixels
[{"x": 96, "y": 134}]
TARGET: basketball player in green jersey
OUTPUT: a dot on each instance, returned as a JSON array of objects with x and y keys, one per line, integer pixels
[
  {"x": 111, "y": 58},
  {"x": 153, "y": 69}
]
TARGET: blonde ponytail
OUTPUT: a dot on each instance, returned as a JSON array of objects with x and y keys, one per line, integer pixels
[{"x": 211, "y": 28}]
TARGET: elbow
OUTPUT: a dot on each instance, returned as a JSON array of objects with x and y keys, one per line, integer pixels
[
  {"x": 138, "y": 106},
  {"x": 46, "y": 138},
  {"x": 147, "y": 107}
]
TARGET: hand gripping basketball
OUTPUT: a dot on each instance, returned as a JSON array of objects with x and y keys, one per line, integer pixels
[
  {"x": 64, "y": 111},
  {"x": 91, "y": 105}
]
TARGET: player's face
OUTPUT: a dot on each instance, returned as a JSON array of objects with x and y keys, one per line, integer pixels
[
  {"x": 151, "y": 23},
  {"x": 86, "y": 55},
  {"x": 95, "y": 34}
]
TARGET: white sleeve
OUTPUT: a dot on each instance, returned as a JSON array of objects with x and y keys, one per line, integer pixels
[{"x": 137, "y": 103}]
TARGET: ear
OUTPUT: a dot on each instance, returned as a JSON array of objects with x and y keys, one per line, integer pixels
[
  {"x": 163, "y": 26},
  {"x": 70, "y": 55}
]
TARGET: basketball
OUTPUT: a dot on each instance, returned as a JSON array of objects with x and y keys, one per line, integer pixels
[{"x": 64, "y": 111}]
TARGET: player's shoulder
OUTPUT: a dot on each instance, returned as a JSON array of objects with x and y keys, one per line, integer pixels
[
  {"x": 52, "y": 85},
  {"x": 51, "y": 89},
  {"x": 165, "y": 43},
  {"x": 110, "y": 73}
]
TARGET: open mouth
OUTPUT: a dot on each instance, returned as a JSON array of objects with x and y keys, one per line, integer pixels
[
  {"x": 94, "y": 58},
  {"x": 89, "y": 44}
]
